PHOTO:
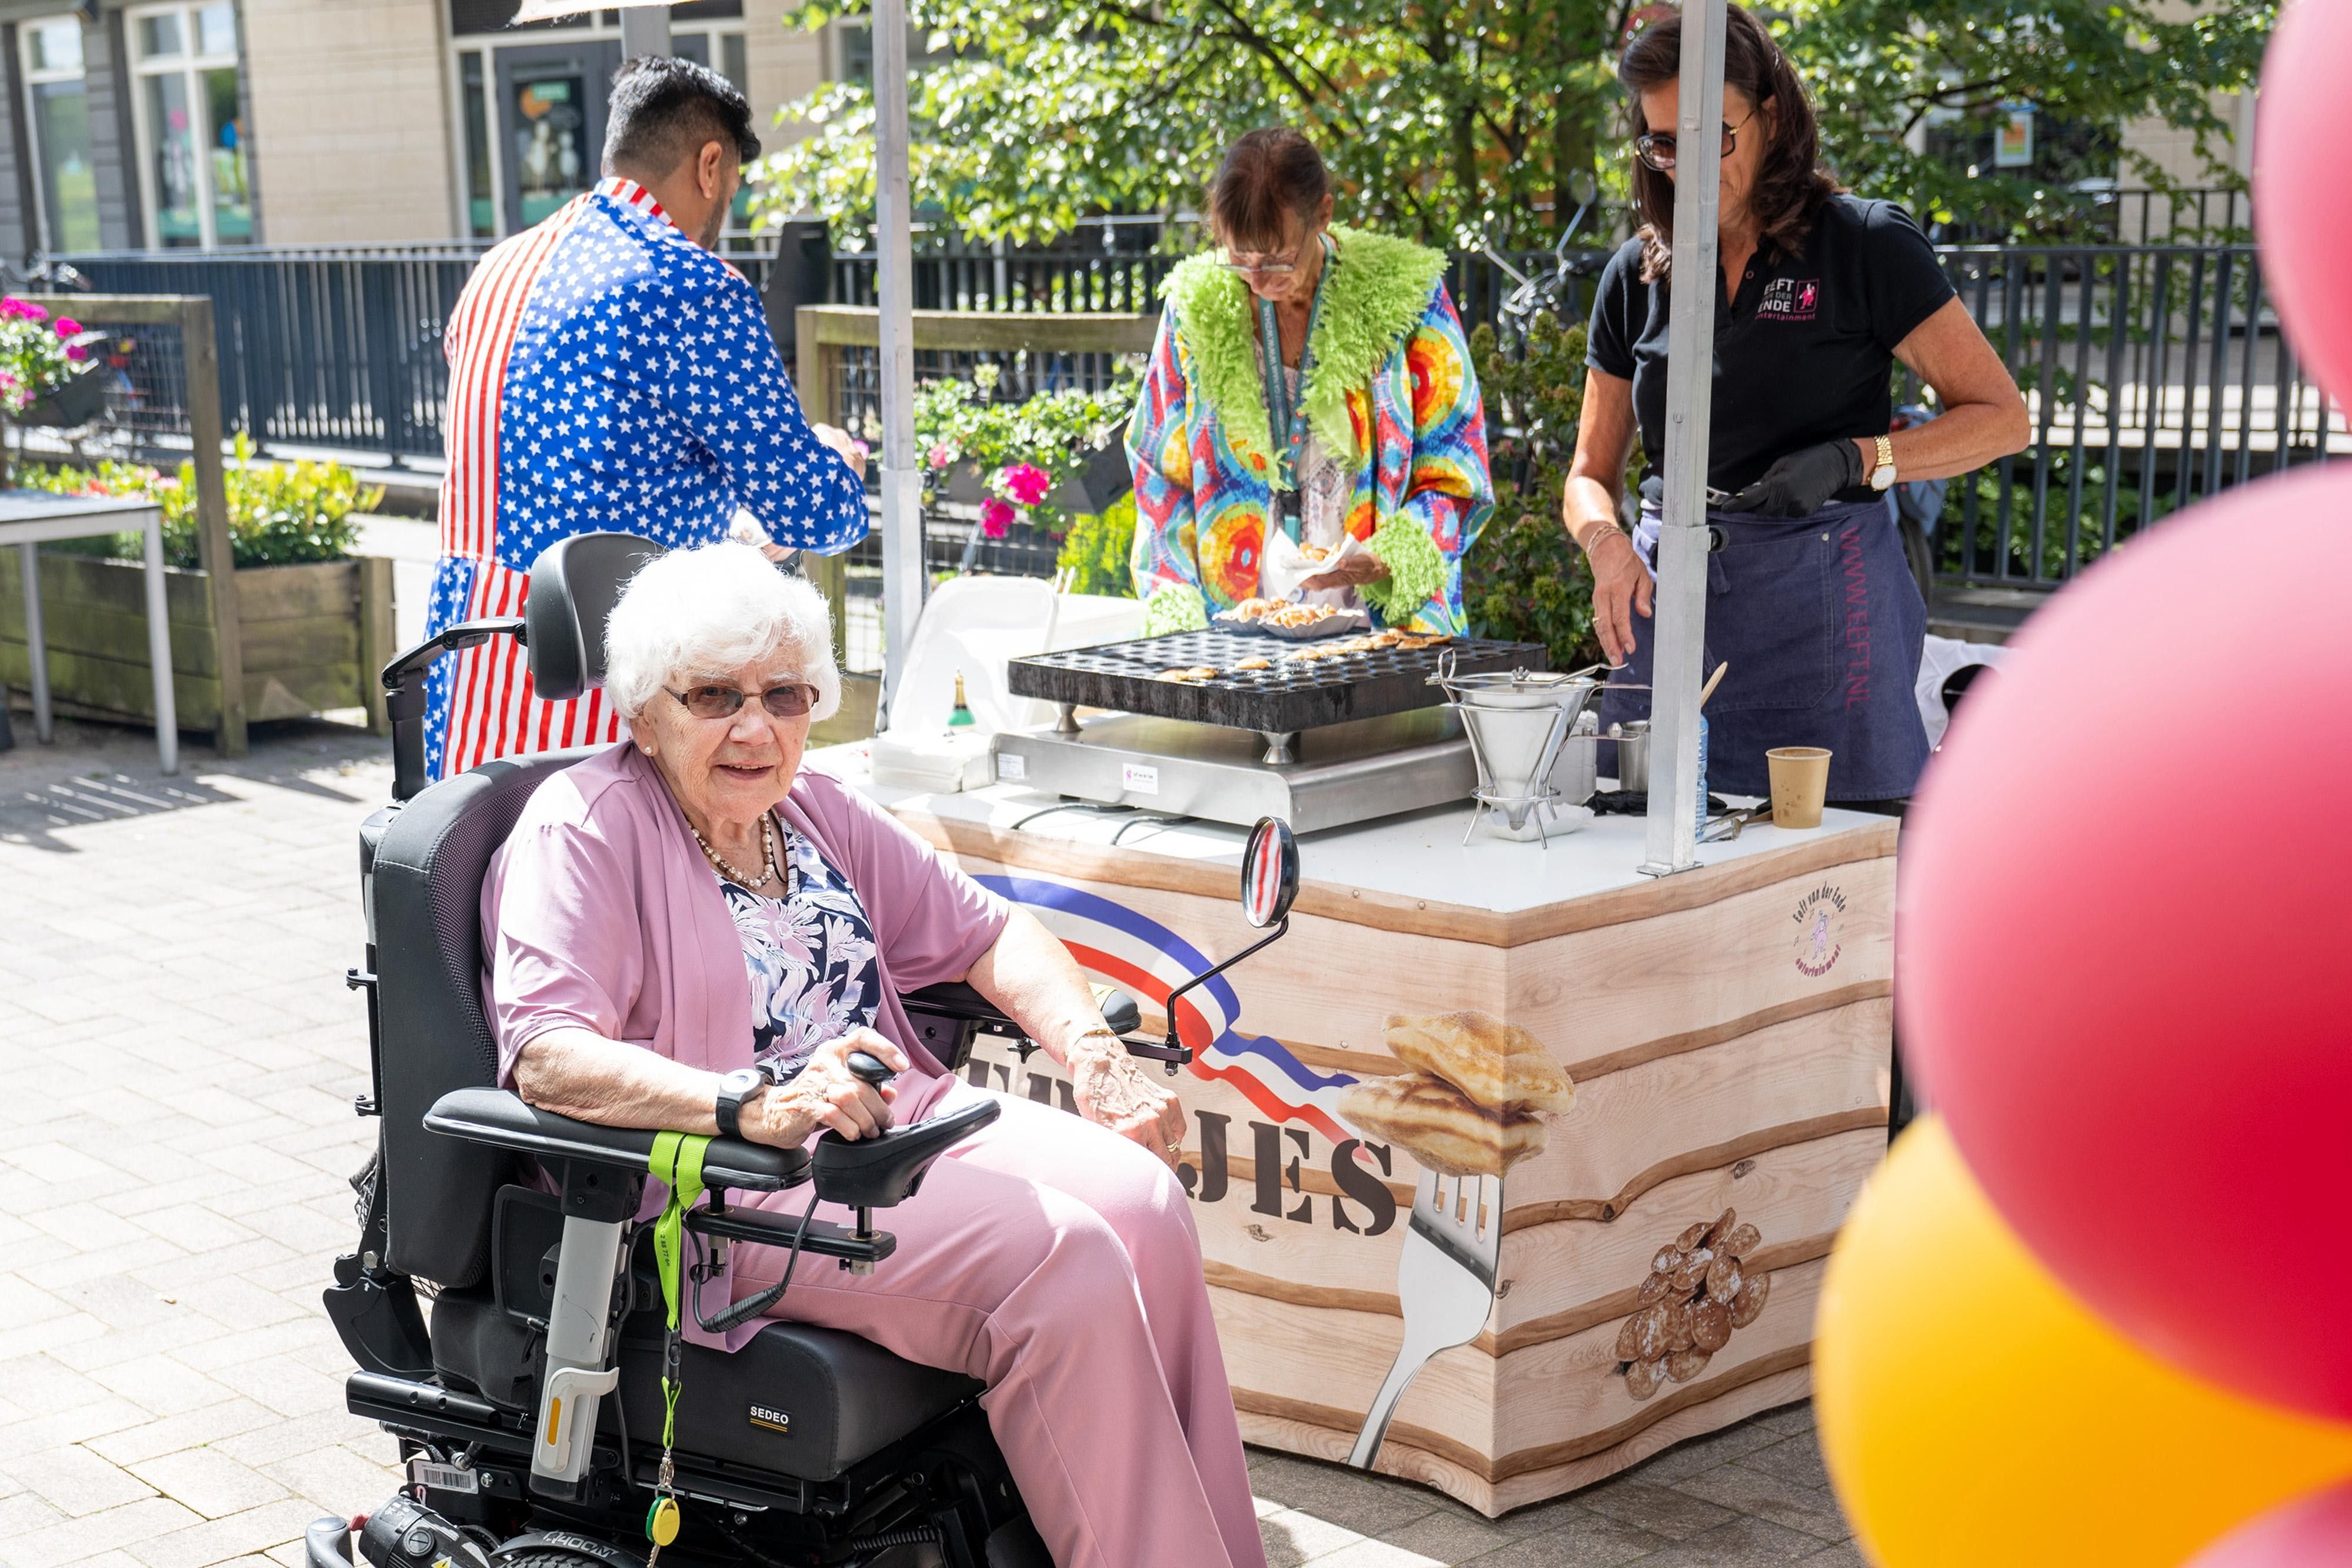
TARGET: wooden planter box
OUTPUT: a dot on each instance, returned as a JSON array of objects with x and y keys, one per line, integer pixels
[{"x": 311, "y": 638}]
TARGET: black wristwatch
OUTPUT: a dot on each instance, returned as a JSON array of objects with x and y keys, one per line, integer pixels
[{"x": 734, "y": 1089}]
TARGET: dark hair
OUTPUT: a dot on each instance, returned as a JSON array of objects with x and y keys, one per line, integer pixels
[
  {"x": 1268, "y": 177},
  {"x": 665, "y": 110},
  {"x": 1791, "y": 185}
]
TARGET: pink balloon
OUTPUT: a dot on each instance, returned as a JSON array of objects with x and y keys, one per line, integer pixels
[
  {"x": 2315, "y": 1532},
  {"x": 2125, "y": 938},
  {"x": 2301, "y": 215}
]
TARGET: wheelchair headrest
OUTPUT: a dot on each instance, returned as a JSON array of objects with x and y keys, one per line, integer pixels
[{"x": 574, "y": 585}]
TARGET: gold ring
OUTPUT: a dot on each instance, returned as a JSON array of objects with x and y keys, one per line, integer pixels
[{"x": 1175, "y": 1148}]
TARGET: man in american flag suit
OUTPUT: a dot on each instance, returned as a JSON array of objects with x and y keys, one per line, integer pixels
[{"x": 609, "y": 373}]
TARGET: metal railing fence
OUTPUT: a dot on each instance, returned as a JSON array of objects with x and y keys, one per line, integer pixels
[
  {"x": 2155, "y": 376},
  {"x": 2155, "y": 373}
]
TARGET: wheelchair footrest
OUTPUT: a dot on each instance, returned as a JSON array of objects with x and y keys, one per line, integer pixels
[{"x": 825, "y": 1240}]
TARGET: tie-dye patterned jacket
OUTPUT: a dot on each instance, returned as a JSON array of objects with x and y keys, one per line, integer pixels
[{"x": 1393, "y": 396}]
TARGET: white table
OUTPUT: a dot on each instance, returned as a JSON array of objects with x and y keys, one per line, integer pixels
[{"x": 29, "y": 519}]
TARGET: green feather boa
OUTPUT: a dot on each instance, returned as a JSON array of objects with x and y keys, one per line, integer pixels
[{"x": 1376, "y": 293}]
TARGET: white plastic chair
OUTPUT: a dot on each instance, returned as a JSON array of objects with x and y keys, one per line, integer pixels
[{"x": 972, "y": 625}]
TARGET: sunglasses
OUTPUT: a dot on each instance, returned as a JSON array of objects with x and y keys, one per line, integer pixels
[
  {"x": 1658, "y": 149},
  {"x": 717, "y": 701}
]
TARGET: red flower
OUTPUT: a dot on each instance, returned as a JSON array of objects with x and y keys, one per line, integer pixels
[{"x": 995, "y": 517}]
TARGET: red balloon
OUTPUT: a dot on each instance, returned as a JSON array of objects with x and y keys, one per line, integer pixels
[
  {"x": 2125, "y": 938},
  {"x": 2315, "y": 1532},
  {"x": 2301, "y": 218}
]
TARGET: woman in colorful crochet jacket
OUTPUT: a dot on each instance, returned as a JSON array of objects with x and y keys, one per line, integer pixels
[{"x": 1362, "y": 479}]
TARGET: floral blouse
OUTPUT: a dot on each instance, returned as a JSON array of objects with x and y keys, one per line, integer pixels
[{"x": 809, "y": 958}]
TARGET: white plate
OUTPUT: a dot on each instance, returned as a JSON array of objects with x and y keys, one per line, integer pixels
[{"x": 1334, "y": 622}]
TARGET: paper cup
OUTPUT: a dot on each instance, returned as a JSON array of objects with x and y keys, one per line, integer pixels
[{"x": 1801, "y": 779}]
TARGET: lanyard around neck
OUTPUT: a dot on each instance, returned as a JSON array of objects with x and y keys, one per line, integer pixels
[{"x": 1287, "y": 416}]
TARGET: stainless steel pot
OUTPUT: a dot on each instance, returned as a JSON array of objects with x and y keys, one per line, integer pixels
[{"x": 1632, "y": 755}]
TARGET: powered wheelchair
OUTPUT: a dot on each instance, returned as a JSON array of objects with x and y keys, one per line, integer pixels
[{"x": 529, "y": 1410}]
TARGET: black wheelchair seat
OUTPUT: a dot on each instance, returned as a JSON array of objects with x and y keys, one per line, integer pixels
[{"x": 799, "y": 1401}]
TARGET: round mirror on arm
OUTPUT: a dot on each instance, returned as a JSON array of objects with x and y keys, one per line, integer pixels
[{"x": 1269, "y": 872}]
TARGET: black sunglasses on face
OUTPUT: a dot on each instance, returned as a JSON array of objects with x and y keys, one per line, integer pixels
[
  {"x": 1658, "y": 149},
  {"x": 717, "y": 701}
]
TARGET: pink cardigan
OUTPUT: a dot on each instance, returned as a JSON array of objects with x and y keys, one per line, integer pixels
[{"x": 600, "y": 912}]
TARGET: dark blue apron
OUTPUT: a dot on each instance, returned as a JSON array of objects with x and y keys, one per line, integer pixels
[{"x": 1822, "y": 625}]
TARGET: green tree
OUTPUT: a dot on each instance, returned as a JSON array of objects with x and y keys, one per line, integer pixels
[
  {"x": 1879, "y": 69},
  {"x": 1441, "y": 121},
  {"x": 1448, "y": 118}
]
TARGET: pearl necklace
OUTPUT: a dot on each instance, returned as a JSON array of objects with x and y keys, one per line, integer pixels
[{"x": 767, "y": 844}]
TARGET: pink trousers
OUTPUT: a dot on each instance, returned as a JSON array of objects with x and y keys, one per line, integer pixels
[{"x": 1057, "y": 1262}]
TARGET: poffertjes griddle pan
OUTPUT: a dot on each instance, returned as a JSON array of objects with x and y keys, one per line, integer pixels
[{"x": 1288, "y": 696}]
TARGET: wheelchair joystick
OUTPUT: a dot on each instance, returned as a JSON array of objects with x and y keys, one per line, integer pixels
[{"x": 870, "y": 1068}]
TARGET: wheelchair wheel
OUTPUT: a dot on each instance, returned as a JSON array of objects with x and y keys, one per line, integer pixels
[{"x": 550, "y": 1557}]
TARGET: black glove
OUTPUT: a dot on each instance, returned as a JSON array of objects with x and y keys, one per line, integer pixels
[{"x": 1802, "y": 483}]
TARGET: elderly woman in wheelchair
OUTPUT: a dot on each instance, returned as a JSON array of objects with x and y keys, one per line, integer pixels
[{"x": 687, "y": 932}]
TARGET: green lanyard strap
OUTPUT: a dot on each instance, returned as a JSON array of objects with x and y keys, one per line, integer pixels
[
  {"x": 1285, "y": 415},
  {"x": 676, "y": 1158}
]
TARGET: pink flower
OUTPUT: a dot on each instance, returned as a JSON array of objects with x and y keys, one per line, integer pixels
[
  {"x": 1026, "y": 483},
  {"x": 67, "y": 327},
  {"x": 995, "y": 518},
  {"x": 940, "y": 457},
  {"x": 11, "y": 307},
  {"x": 29, "y": 310},
  {"x": 76, "y": 352}
]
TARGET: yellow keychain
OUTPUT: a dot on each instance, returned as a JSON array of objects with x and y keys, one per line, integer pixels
[{"x": 661, "y": 1522}]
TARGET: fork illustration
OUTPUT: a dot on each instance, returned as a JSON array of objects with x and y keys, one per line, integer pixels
[{"x": 1445, "y": 1282}]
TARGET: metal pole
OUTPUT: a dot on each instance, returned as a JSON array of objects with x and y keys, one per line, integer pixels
[
  {"x": 1680, "y": 630},
  {"x": 644, "y": 30},
  {"x": 902, "y": 522}
]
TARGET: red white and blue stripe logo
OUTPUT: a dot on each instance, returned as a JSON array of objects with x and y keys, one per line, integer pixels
[{"x": 1145, "y": 958}]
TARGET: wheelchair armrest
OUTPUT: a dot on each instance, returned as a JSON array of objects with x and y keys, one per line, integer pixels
[
  {"x": 956, "y": 1000},
  {"x": 499, "y": 1117},
  {"x": 876, "y": 1173}
]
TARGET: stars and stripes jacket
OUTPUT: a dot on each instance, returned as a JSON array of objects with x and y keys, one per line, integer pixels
[{"x": 606, "y": 374}]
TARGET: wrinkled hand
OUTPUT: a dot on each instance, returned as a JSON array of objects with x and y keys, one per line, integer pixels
[
  {"x": 746, "y": 530},
  {"x": 1802, "y": 483},
  {"x": 1347, "y": 572},
  {"x": 1113, "y": 1091},
  {"x": 852, "y": 450},
  {"x": 825, "y": 1094},
  {"x": 1622, "y": 585}
]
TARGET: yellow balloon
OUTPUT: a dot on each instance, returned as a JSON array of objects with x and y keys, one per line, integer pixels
[{"x": 1975, "y": 1414}]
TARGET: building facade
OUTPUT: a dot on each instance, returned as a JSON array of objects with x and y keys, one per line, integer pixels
[{"x": 165, "y": 124}]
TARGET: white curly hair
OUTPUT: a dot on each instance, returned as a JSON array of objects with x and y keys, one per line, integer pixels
[{"x": 703, "y": 613}]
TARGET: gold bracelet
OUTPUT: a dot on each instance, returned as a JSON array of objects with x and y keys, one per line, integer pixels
[{"x": 1104, "y": 1030}]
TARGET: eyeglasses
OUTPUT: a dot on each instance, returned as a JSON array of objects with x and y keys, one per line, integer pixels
[
  {"x": 1262, "y": 268},
  {"x": 1658, "y": 149},
  {"x": 715, "y": 702}
]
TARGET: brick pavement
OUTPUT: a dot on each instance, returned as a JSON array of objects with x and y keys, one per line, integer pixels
[{"x": 178, "y": 1059}]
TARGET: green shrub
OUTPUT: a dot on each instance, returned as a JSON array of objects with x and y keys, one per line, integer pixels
[
  {"x": 1094, "y": 552},
  {"x": 279, "y": 514},
  {"x": 1525, "y": 578}
]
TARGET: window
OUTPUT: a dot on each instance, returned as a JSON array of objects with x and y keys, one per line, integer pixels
[
  {"x": 481, "y": 181},
  {"x": 58, "y": 108},
  {"x": 196, "y": 166}
]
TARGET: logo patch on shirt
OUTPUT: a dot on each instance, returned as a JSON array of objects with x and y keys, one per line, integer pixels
[{"x": 1791, "y": 299}]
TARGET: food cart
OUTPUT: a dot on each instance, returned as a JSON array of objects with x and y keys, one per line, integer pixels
[{"x": 1725, "y": 1030}]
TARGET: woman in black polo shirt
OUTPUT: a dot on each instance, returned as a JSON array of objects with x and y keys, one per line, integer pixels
[{"x": 1811, "y": 600}]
